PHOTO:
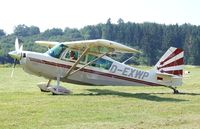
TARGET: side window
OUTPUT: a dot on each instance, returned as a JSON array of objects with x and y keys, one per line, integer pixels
[
  {"x": 91, "y": 58},
  {"x": 103, "y": 63},
  {"x": 72, "y": 55},
  {"x": 67, "y": 55},
  {"x": 100, "y": 63}
]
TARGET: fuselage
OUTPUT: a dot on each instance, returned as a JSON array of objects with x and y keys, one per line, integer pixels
[{"x": 105, "y": 71}]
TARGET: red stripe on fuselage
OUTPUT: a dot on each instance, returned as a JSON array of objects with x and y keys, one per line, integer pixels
[{"x": 96, "y": 72}]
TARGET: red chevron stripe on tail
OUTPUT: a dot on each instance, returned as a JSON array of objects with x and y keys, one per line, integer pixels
[
  {"x": 176, "y": 52},
  {"x": 171, "y": 62},
  {"x": 174, "y": 63}
]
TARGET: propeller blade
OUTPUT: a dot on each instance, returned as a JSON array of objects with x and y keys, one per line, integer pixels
[
  {"x": 21, "y": 48},
  {"x": 13, "y": 69},
  {"x": 12, "y": 73},
  {"x": 16, "y": 44}
]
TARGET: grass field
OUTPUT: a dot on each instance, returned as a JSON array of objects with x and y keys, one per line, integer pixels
[{"x": 22, "y": 105}]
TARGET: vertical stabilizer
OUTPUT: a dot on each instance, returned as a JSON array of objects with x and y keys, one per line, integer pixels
[{"x": 171, "y": 62}]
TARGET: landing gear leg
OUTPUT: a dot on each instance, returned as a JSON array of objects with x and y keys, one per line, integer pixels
[
  {"x": 58, "y": 81},
  {"x": 59, "y": 90},
  {"x": 175, "y": 90},
  {"x": 44, "y": 86}
]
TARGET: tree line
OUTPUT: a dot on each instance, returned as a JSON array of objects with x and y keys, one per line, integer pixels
[{"x": 151, "y": 38}]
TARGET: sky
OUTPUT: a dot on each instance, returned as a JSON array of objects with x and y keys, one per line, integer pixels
[{"x": 47, "y": 14}]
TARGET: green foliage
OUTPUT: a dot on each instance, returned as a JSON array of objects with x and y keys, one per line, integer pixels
[
  {"x": 151, "y": 38},
  {"x": 108, "y": 30},
  {"x": 91, "y": 32},
  {"x": 2, "y": 33},
  {"x": 53, "y": 32},
  {"x": 23, "y": 30},
  {"x": 72, "y": 34}
]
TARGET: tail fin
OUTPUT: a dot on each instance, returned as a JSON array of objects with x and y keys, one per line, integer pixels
[{"x": 171, "y": 62}]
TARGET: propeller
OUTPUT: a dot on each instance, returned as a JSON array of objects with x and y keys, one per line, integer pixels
[
  {"x": 16, "y": 55},
  {"x": 13, "y": 68},
  {"x": 16, "y": 44}
]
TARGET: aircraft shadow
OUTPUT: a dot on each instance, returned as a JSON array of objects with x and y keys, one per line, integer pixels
[
  {"x": 181, "y": 93},
  {"x": 144, "y": 96}
]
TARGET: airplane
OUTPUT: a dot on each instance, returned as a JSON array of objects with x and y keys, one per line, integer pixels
[{"x": 87, "y": 62}]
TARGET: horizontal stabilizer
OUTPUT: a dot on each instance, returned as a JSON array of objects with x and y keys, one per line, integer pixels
[{"x": 167, "y": 75}]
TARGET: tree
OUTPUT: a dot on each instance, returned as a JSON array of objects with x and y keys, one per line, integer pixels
[
  {"x": 53, "y": 32},
  {"x": 91, "y": 32},
  {"x": 23, "y": 30},
  {"x": 107, "y": 30},
  {"x": 2, "y": 33},
  {"x": 33, "y": 30},
  {"x": 72, "y": 34},
  {"x": 120, "y": 21}
]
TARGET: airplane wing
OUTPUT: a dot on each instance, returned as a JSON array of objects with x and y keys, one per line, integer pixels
[
  {"x": 98, "y": 45},
  {"x": 48, "y": 44},
  {"x": 102, "y": 45}
]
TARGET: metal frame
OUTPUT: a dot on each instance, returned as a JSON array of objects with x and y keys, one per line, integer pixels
[{"x": 77, "y": 61}]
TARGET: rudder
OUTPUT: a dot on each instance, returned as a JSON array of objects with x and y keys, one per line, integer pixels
[{"x": 171, "y": 62}]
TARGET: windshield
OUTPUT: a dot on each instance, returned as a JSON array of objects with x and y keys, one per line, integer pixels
[{"x": 56, "y": 51}]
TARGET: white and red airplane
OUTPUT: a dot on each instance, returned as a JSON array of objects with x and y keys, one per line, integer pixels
[{"x": 86, "y": 62}]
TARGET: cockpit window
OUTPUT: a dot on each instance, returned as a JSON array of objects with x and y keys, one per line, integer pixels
[
  {"x": 99, "y": 63},
  {"x": 73, "y": 55},
  {"x": 56, "y": 51}
]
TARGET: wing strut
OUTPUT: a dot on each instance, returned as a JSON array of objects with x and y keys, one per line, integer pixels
[
  {"x": 77, "y": 61},
  {"x": 88, "y": 63}
]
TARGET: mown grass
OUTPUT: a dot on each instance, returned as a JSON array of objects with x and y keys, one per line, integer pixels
[{"x": 22, "y": 105}]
